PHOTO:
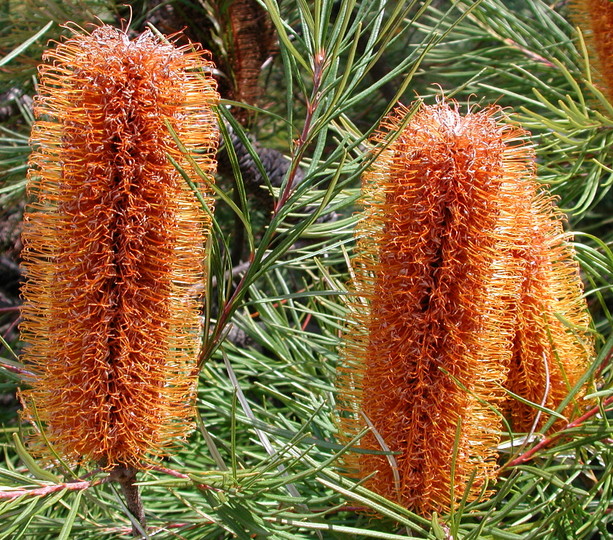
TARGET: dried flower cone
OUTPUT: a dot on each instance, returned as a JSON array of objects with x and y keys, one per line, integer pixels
[
  {"x": 595, "y": 19},
  {"x": 114, "y": 245},
  {"x": 552, "y": 346},
  {"x": 435, "y": 279},
  {"x": 252, "y": 43}
]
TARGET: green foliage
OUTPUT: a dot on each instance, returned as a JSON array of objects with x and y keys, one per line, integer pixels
[{"x": 263, "y": 460}]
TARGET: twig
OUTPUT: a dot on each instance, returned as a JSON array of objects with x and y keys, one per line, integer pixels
[
  {"x": 43, "y": 491},
  {"x": 11, "y": 328},
  {"x": 171, "y": 472},
  {"x": 319, "y": 63},
  {"x": 530, "y": 54},
  {"x": 16, "y": 369},
  {"x": 529, "y": 454}
]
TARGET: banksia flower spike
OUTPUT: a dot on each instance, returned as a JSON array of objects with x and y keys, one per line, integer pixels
[
  {"x": 114, "y": 245},
  {"x": 552, "y": 346},
  {"x": 443, "y": 264},
  {"x": 252, "y": 42},
  {"x": 434, "y": 282},
  {"x": 595, "y": 19}
]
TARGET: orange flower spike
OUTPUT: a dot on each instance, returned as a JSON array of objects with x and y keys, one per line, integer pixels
[
  {"x": 552, "y": 346},
  {"x": 435, "y": 279},
  {"x": 595, "y": 19},
  {"x": 114, "y": 245}
]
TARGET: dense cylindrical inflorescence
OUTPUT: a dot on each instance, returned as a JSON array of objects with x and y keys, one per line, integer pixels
[
  {"x": 252, "y": 43},
  {"x": 441, "y": 268},
  {"x": 552, "y": 346},
  {"x": 114, "y": 244},
  {"x": 595, "y": 19},
  {"x": 433, "y": 290}
]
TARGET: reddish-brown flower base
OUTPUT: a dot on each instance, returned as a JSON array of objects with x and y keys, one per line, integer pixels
[{"x": 114, "y": 245}]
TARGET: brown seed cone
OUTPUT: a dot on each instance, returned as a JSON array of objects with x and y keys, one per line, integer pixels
[
  {"x": 114, "y": 245},
  {"x": 435, "y": 281},
  {"x": 595, "y": 19},
  {"x": 552, "y": 348}
]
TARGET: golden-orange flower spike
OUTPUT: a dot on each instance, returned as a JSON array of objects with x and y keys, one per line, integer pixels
[
  {"x": 435, "y": 278},
  {"x": 552, "y": 345},
  {"x": 114, "y": 244},
  {"x": 595, "y": 19}
]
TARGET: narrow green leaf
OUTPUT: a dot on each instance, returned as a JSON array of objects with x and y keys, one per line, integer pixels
[
  {"x": 16, "y": 52},
  {"x": 70, "y": 518},
  {"x": 31, "y": 463}
]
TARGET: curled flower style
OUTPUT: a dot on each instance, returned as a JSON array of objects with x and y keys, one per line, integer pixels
[
  {"x": 441, "y": 271},
  {"x": 114, "y": 244}
]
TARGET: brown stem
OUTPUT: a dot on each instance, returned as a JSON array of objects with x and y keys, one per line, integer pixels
[{"x": 125, "y": 476}]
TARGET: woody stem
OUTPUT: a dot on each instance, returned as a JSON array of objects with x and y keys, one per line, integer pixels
[{"x": 125, "y": 476}]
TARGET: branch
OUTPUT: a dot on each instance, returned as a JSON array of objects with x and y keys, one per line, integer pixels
[
  {"x": 13, "y": 368},
  {"x": 47, "y": 490},
  {"x": 529, "y": 454},
  {"x": 171, "y": 472}
]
